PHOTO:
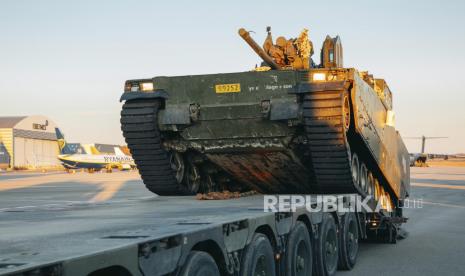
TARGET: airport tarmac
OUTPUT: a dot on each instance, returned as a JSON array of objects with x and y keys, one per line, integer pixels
[
  {"x": 436, "y": 226},
  {"x": 436, "y": 241}
]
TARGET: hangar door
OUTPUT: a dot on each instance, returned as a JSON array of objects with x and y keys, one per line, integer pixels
[
  {"x": 34, "y": 153},
  {"x": 4, "y": 156}
]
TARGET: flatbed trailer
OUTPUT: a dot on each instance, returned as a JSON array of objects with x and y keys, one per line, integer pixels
[{"x": 182, "y": 236}]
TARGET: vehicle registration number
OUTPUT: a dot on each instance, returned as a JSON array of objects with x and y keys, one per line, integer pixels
[{"x": 228, "y": 88}]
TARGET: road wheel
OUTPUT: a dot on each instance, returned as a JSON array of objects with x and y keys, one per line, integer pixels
[
  {"x": 208, "y": 183},
  {"x": 327, "y": 247},
  {"x": 346, "y": 112},
  {"x": 177, "y": 165},
  {"x": 299, "y": 252},
  {"x": 258, "y": 257},
  {"x": 377, "y": 190},
  {"x": 193, "y": 180},
  {"x": 355, "y": 167},
  {"x": 348, "y": 246},
  {"x": 363, "y": 177},
  {"x": 370, "y": 184},
  {"x": 200, "y": 263}
]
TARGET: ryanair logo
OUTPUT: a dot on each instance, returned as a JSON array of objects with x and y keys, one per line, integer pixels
[{"x": 117, "y": 159}]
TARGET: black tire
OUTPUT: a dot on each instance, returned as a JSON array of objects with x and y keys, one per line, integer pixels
[
  {"x": 348, "y": 241},
  {"x": 326, "y": 248},
  {"x": 299, "y": 252},
  {"x": 258, "y": 256},
  {"x": 199, "y": 263},
  {"x": 388, "y": 235}
]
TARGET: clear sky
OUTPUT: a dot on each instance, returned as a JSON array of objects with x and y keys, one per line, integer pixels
[{"x": 68, "y": 60}]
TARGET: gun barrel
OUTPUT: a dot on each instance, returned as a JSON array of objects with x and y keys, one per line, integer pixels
[{"x": 259, "y": 50}]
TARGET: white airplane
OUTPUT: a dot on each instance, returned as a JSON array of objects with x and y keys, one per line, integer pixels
[{"x": 93, "y": 161}]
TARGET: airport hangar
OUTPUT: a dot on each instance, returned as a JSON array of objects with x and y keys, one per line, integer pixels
[{"x": 28, "y": 142}]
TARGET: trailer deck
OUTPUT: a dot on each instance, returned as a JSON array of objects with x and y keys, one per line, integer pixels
[
  {"x": 108, "y": 224},
  {"x": 112, "y": 233}
]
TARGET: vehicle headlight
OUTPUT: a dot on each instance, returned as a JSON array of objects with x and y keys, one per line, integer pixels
[
  {"x": 319, "y": 76},
  {"x": 139, "y": 86},
  {"x": 133, "y": 87},
  {"x": 146, "y": 86}
]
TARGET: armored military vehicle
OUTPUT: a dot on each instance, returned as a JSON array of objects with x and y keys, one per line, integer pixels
[{"x": 287, "y": 126}]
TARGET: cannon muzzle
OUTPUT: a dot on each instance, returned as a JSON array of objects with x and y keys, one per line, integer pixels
[{"x": 259, "y": 50}]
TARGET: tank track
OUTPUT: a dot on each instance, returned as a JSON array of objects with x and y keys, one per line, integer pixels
[
  {"x": 324, "y": 117},
  {"x": 139, "y": 124}
]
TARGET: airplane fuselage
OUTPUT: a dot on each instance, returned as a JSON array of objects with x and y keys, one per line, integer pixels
[{"x": 97, "y": 161}]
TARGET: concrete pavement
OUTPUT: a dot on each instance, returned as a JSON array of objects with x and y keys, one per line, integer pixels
[{"x": 435, "y": 245}]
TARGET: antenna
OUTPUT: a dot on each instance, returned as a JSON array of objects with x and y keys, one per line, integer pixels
[{"x": 423, "y": 139}]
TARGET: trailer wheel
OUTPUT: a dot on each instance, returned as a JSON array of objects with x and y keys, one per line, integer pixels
[
  {"x": 327, "y": 247},
  {"x": 200, "y": 263},
  {"x": 299, "y": 252},
  {"x": 348, "y": 245},
  {"x": 258, "y": 258},
  {"x": 388, "y": 235}
]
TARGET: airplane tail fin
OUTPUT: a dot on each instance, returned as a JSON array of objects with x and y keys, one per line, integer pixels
[
  {"x": 64, "y": 148},
  {"x": 94, "y": 150},
  {"x": 119, "y": 152}
]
